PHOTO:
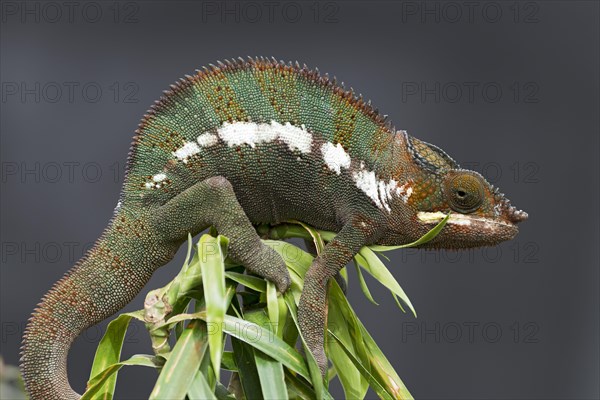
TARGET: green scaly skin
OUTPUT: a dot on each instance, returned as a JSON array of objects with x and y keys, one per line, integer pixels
[{"x": 377, "y": 185}]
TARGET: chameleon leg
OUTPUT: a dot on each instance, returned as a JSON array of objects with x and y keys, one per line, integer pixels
[
  {"x": 213, "y": 202},
  {"x": 311, "y": 248},
  {"x": 312, "y": 310}
]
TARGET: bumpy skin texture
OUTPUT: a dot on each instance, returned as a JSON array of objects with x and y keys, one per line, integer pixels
[{"x": 259, "y": 141}]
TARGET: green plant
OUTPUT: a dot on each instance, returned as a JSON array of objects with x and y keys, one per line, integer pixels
[{"x": 263, "y": 328}]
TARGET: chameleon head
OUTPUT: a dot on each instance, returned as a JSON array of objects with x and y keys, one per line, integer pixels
[{"x": 479, "y": 214}]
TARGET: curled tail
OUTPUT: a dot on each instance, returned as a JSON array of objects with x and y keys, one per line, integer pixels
[{"x": 111, "y": 274}]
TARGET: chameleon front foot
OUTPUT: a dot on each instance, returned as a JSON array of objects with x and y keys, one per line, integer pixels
[{"x": 267, "y": 263}]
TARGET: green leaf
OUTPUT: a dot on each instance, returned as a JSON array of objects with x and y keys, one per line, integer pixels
[
  {"x": 343, "y": 322},
  {"x": 299, "y": 388},
  {"x": 271, "y": 377},
  {"x": 382, "y": 369},
  {"x": 212, "y": 252},
  {"x": 190, "y": 244},
  {"x": 206, "y": 368},
  {"x": 109, "y": 352},
  {"x": 272, "y": 305},
  {"x": 258, "y": 338},
  {"x": 249, "y": 281},
  {"x": 363, "y": 284},
  {"x": 266, "y": 342},
  {"x": 181, "y": 307},
  {"x": 367, "y": 259},
  {"x": 246, "y": 366},
  {"x": 228, "y": 362},
  {"x": 96, "y": 384},
  {"x": 422, "y": 240},
  {"x": 180, "y": 369},
  {"x": 315, "y": 235},
  {"x": 290, "y": 330},
  {"x": 298, "y": 260},
  {"x": 293, "y": 230},
  {"x": 259, "y": 349},
  {"x": 270, "y": 371},
  {"x": 344, "y": 274},
  {"x": 199, "y": 389},
  {"x": 315, "y": 372},
  {"x": 398, "y": 303},
  {"x": 222, "y": 393},
  {"x": 283, "y": 316},
  {"x": 379, "y": 389}
]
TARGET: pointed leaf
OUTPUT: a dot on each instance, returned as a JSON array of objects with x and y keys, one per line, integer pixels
[
  {"x": 258, "y": 338},
  {"x": 199, "y": 389},
  {"x": 222, "y": 393},
  {"x": 373, "y": 265},
  {"x": 295, "y": 258},
  {"x": 363, "y": 284},
  {"x": 377, "y": 387},
  {"x": 212, "y": 253},
  {"x": 272, "y": 305},
  {"x": 180, "y": 369},
  {"x": 228, "y": 362},
  {"x": 315, "y": 372},
  {"x": 343, "y": 322},
  {"x": 270, "y": 371},
  {"x": 315, "y": 235},
  {"x": 108, "y": 353},
  {"x": 249, "y": 281},
  {"x": 382, "y": 369},
  {"x": 344, "y": 274},
  {"x": 246, "y": 367},
  {"x": 422, "y": 240},
  {"x": 96, "y": 384},
  {"x": 298, "y": 388}
]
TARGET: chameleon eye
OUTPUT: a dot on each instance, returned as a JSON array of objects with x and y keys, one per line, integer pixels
[{"x": 464, "y": 192}]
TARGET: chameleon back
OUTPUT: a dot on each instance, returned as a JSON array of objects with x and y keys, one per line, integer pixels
[{"x": 176, "y": 141}]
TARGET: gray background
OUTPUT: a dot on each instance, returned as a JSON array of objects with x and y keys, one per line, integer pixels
[{"x": 519, "y": 321}]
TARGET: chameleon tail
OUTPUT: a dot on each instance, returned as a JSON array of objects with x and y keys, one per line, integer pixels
[{"x": 108, "y": 277}]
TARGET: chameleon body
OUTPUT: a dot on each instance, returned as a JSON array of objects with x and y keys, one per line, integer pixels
[{"x": 260, "y": 141}]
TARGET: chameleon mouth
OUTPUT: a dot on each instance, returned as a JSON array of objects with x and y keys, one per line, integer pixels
[
  {"x": 466, "y": 231},
  {"x": 462, "y": 220}
]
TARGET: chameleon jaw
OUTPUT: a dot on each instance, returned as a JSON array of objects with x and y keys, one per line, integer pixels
[
  {"x": 459, "y": 219},
  {"x": 466, "y": 230}
]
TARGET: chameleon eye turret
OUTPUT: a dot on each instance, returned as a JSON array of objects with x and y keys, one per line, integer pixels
[{"x": 464, "y": 191}]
